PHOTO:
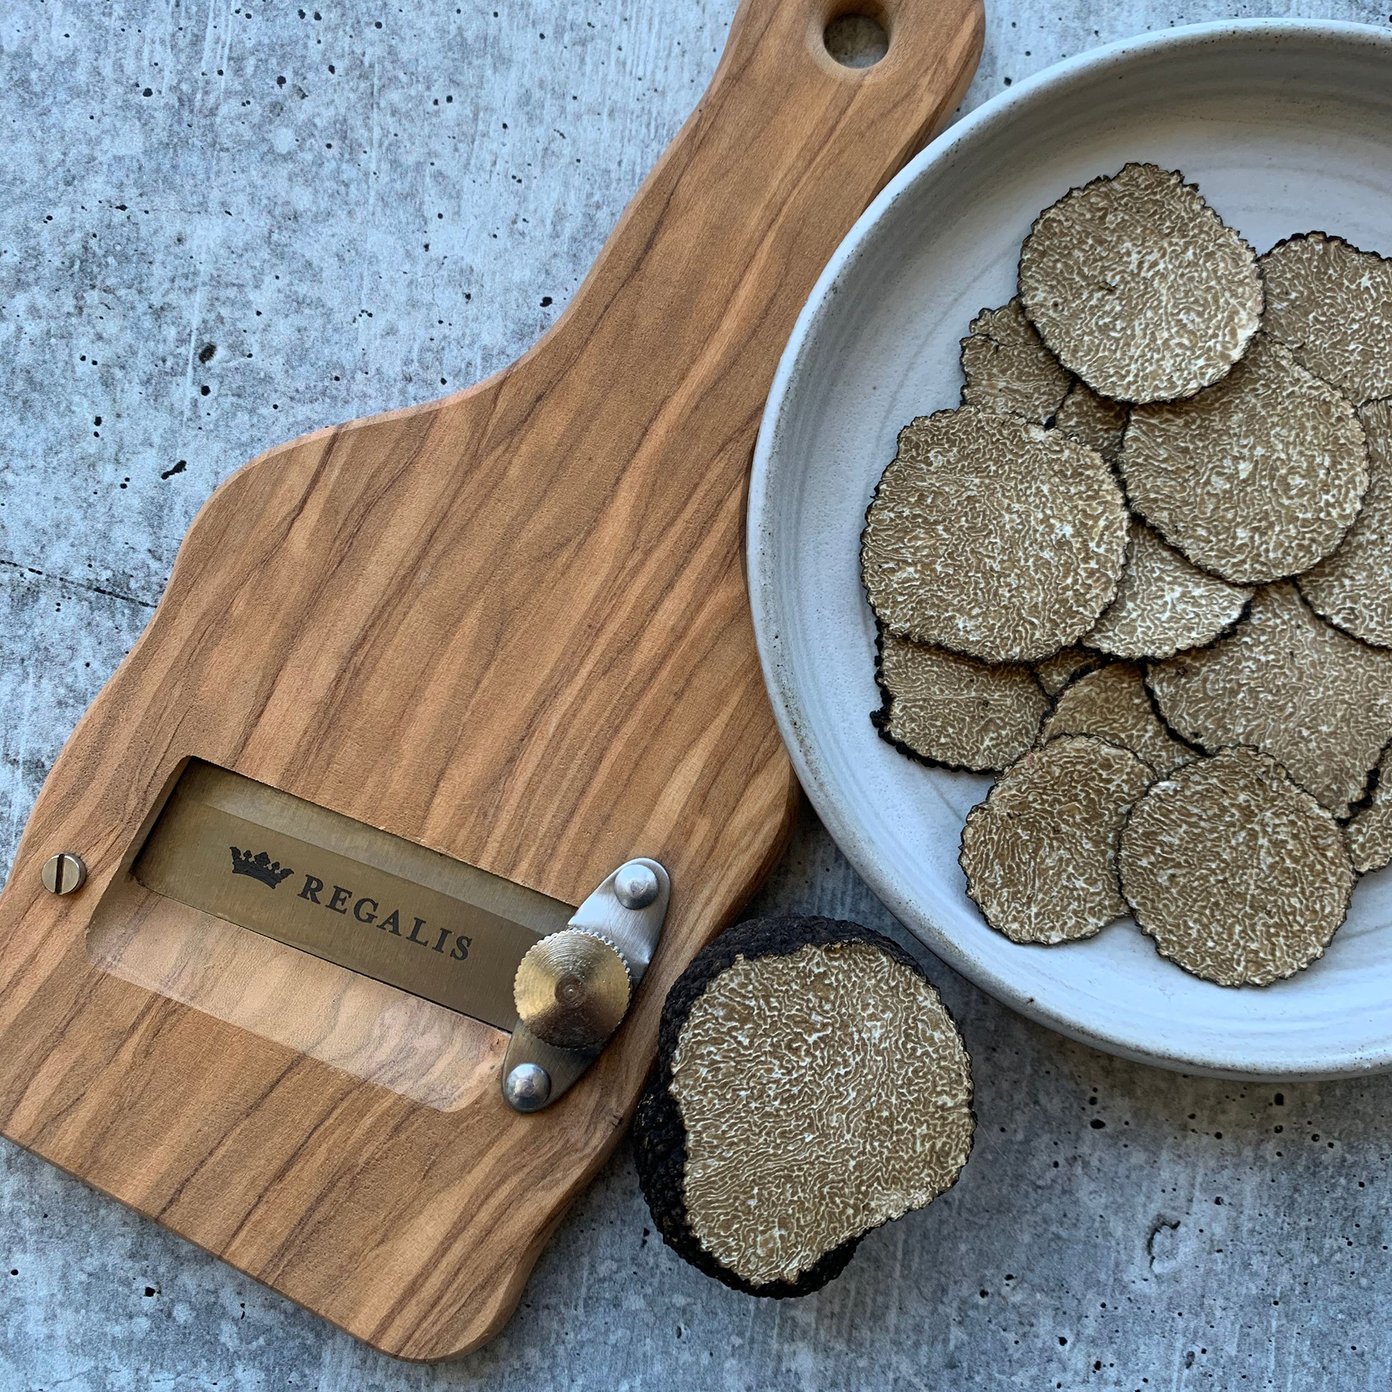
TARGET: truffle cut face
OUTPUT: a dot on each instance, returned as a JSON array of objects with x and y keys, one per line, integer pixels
[
  {"x": 1007, "y": 367},
  {"x": 1164, "y": 603},
  {"x": 1057, "y": 670},
  {"x": 1285, "y": 682},
  {"x": 1353, "y": 587},
  {"x": 823, "y": 1093},
  {"x": 992, "y": 537},
  {"x": 1331, "y": 305},
  {"x": 1369, "y": 830},
  {"x": 953, "y": 710},
  {"x": 1239, "y": 875},
  {"x": 1113, "y": 704},
  {"x": 1256, "y": 478},
  {"x": 1139, "y": 287},
  {"x": 1040, "y": 853},
  {"x": 1095, "y": 420}
]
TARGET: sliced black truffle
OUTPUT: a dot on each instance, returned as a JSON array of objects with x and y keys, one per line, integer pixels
[
  {"x": 1007, "y": 367},
  {"x": 952, "y": 710},
  {"x": 810, "y": 1085},
  {"x": 1040, "y": 853},
  {"x": 1139, "y": 287},
  {"x": 1353, "y": 587},
  {"x": 1058, "y": 669},
  {"x": 1369, "y": 829},
  {"x": 1095, "y": 420},
  {"x": 1164, "y": 603},
  {"x": 1254, "y": 479},
  {"x": 992, "y": 537},
  {"x": 1285, "y": 682},
  {"x": 1239, "y": 875},
  {"x": 1113, "y": 704},
  {"x": 1331, "y": 305}
]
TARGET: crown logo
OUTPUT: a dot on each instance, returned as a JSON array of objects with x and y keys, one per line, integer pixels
[{"x": 259, "y": 866}]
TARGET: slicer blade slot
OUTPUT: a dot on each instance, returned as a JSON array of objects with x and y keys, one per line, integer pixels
[{"x": 365, "y": 899}]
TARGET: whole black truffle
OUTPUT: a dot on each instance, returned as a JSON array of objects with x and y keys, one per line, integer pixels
[{"x": 810, "y": 1086}]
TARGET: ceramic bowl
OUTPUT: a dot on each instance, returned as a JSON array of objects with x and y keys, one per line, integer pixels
[{"x": 1286, "y": 127}]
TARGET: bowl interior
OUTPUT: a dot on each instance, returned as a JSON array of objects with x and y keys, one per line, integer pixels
[{"x": 1286, "y": 129}]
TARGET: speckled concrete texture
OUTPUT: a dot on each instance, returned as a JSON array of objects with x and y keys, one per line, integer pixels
[{"x": 224, "y": 224}]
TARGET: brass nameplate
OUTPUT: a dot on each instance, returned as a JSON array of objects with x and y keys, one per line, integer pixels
[{"x": 362, "y": 898}]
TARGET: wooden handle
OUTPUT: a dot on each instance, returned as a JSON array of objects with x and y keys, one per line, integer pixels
[
  {"x": 726, "y": 214},
  {"x": 510, "y": 626}
]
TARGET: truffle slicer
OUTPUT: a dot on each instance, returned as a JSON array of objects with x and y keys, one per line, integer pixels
[{"x": 485, "y": 650}]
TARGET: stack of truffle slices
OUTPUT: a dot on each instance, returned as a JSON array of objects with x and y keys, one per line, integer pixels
[{"x": 1144, "y": 571}]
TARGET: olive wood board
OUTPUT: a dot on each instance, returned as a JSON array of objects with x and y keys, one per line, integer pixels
[{"x": 510, "y": 626}]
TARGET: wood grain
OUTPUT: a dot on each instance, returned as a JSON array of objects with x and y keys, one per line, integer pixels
[{"x": 510, "y": 625}]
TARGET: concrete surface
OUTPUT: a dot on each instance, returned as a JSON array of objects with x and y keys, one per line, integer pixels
[{"x": 224, "y": 224}]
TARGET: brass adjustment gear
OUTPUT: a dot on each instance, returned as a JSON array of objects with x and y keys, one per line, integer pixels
[{"x": 572, "y": 989}]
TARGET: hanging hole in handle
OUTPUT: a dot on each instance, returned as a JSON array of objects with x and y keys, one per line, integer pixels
[{"x": 857, "y": 38}]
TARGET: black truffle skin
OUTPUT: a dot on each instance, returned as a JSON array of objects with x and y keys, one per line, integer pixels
[{"x": 659, "y": 1136}]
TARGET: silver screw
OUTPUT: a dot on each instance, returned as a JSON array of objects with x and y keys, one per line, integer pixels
[
  {"x": 635, "y": 885},
  {"x": 527, "y": 1087},
  {"x": 63, "y": 873}
]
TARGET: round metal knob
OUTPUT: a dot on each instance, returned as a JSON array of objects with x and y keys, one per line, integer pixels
[
  {"x": 572, "y": 989},
  {"x": 635, "y": 885},
  {"x": 527, "y": 1088}
]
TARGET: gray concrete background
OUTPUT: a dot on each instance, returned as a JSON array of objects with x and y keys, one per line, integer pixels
[{"x": 224, "y": 224}]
